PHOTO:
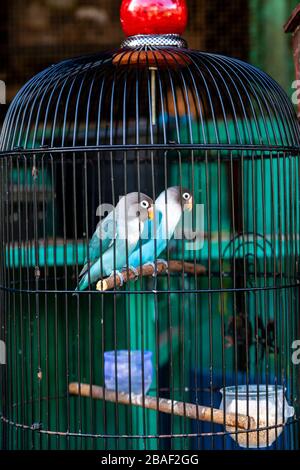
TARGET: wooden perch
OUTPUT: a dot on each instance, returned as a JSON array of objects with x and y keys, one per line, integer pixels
[
  {"x": 178, "y": 408},
  {"x": 148, "y": 270}
]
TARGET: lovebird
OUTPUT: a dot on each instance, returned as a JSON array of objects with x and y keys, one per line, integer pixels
[
  {"x": 157, "y": 233},
  {"x": 120, "y": 232}
]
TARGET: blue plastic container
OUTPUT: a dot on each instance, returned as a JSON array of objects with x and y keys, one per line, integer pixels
[{"x": 117, "y": 365}]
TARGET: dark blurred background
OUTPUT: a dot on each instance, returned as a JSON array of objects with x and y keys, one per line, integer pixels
[{"x": 37, "y": 33}]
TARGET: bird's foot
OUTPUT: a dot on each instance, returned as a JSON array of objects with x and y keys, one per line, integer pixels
[
  {"x": 164, "y": 262},
  {"x": 153, "y": 266},
  {"x": 119, "y": 275},
  {"x": 133, "y": 270}
]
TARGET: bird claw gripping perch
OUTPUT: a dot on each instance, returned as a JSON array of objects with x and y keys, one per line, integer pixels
[
  {"x": 135, "y": 272},
  {"x": 120, "y": 276},
  {"x": 152, "y": 266},
  {"x": 165, "y": 263}
]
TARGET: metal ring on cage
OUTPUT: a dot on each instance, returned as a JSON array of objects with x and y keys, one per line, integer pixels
[{"x": 152, "y": 40}]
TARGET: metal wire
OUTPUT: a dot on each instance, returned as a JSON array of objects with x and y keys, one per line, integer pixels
[{"x": 89, "y": 130}]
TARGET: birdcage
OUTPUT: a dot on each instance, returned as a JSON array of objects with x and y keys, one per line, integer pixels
[{"x": 194, "y": 348}]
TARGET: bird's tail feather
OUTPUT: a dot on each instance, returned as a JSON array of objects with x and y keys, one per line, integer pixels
[
  {"x": 83, "y": 284},
  {"x": 84, "y": 269}
]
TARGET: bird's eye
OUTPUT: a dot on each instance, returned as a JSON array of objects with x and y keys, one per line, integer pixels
[
  {"x": 186, "y": 196},
  {"x": 145, "y": 204}
]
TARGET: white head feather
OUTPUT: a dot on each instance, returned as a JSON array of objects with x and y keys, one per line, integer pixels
[{"x": 169, "y": 203}]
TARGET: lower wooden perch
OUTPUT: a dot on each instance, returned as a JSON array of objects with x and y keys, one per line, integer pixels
[
  {"x": 189, "y": 410},
  {"x": 148, "y": 270}
]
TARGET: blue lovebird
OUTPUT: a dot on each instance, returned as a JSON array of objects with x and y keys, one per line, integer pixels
[
  {"x": 157, "y": 233},
  {"x": 120, "y": 232}
]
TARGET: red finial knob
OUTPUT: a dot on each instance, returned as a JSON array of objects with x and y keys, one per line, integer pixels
[{"x": 153, "y": 16}]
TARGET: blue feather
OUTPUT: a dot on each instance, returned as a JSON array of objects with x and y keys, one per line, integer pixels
[
  {"x": 101, "y": 240},
  {"x": 159, "y": 232},
  {"x": 113, "y": 259},
  {"x": 150, "y": 245}
]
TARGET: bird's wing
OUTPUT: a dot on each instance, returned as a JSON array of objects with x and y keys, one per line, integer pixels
[
  {"x": 150, "y": 241},
  {"x": 151, "y": 226},
  {"x": 101, "y": 241},
  {"x": 111, "y": 235},
  {"x": 113, "y": 258}
]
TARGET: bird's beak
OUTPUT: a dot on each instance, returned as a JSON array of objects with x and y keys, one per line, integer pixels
[
  {"x": 151, "y": 213},
  {"x": 189, "y": 205}
]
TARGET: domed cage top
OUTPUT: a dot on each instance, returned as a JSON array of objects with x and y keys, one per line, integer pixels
[{"x": 221, "y": 311}]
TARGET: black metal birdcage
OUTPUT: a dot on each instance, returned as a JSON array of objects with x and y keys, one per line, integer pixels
[{"x": 223, "y": 316}]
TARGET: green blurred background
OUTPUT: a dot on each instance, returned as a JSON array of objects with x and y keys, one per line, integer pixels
[{"x": 36, "y": 33}]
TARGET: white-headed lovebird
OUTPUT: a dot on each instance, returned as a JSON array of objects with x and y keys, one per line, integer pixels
[
  {"x": 157, "y": 233},
  {"x": 116, "y": 238}
]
